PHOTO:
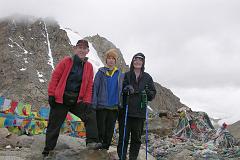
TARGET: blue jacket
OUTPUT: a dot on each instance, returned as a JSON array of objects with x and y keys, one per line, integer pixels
[{"x": 107, "y": 89}]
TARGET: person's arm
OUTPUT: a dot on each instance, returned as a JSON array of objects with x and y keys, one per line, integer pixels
[
  {"x": 125, "y": 83},
  {"x": 150, "y": 89},
  {"x": 89, "y": 89},
  {"x": 55, "y": 77},
  {"x": 96, "y": 86}
]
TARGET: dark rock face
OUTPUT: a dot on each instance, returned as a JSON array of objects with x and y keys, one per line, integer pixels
[
  {"x": 24, "y": 65},
  {"x": 165, "y": 100},
  {"x": 27, "y": 44},
  {"x": 235, "y": 130}
]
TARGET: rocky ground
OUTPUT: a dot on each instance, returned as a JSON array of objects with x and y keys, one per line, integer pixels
[{"x": 13, "y": 147}]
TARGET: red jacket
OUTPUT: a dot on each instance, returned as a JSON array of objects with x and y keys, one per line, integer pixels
[{"x": 57, "y": 84}]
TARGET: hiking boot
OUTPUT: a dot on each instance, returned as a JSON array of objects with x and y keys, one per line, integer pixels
[
  {"x": 94, "y": 146},
  {"x": 104, "y": 147},
  {"x": 45, "y": 153}
]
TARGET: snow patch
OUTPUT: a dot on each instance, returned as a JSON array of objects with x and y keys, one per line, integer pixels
[
  {"x": 14, "y": 23},
  {"x": 25, "y": 51},
  {"x": 50, "y": 60},
  {"x": 23, "y": 69},
  {"x": 40, "y": 77},
  {"x": 21, "y": 38},
  {"x": 40, "y": 74},
  {"x": 10, "y": 45},
  {"x": 41, "y": 80},
  {"x": 25, "y": 60},
  {"x": 44, "y": 34},
  {"x": 17, "y": 55}
]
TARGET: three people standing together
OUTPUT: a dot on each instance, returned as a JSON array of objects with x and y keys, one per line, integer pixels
[{"x": 113, "y": 95}]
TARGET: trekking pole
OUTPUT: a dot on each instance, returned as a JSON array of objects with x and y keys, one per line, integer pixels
[
  {"x": 125, "y": 125},
  {"x": 146, "y": 131},
  {"x": 144, "y": 103}
]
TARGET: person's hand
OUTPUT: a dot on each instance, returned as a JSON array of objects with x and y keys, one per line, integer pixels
[
  {"x": 87, "y": 104},
  {"x": 148, "y": 92},
  {"x": 51, "y": 101},
  {"x": 128, "y": 89}
]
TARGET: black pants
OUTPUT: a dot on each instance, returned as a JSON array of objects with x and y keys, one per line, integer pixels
[
  {"x": 57, "y": 116},
  {"x": 135, "y": 128},
  {"x": 106, "y": 120}
]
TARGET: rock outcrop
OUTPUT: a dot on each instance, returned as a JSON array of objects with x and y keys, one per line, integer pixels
[{"x": 25, "y": 47}]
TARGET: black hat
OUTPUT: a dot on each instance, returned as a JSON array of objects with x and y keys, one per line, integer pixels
[
  {"x": 82, "y": 42},
  {"x": 139, "y": 55}
]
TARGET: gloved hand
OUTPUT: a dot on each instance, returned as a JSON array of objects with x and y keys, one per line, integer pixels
[
  {"x": 148, "y": 92},
  {"x": 51, "y": 101},
  {"x": 88, "y": 104},
  {"x": 84, "y": 104},
  {"x": 128, "y": 89}
]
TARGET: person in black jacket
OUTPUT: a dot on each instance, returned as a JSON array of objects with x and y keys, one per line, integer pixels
[{"x": 137, "y": 84}]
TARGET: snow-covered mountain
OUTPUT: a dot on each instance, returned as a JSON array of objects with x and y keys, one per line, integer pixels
[{"x": 31, "y": 47}]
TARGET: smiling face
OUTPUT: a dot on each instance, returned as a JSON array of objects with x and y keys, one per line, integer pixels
[
  {"x": 81, "y": 51},
  {"x": 137, "y": 63}
]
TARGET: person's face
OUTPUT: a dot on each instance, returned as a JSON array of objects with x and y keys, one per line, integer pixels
[
  {"x": 81, "y": 51},
  {"x": 137, "y": 63},
  {"x": 110, "y": 62}
]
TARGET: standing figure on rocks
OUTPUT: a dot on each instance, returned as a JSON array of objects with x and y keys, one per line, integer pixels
[
  {"x": 138, "y": 88},
  {"x": 106, "y": 97},
  {"x": 70, "y": 89}
]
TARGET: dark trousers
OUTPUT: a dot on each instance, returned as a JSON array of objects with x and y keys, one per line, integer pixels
[
  {"x": 106, "y": 120},
  {"x": 135, "y": 128},
  {"x": 57, "y": 116}
]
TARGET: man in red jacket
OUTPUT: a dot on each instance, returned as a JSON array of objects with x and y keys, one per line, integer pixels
[{"x": 70, "y": 89}]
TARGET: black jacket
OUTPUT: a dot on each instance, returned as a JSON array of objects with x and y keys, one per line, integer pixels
[
  {"x": 74, "y": 80},
  {"x": 135, "y": 108}
]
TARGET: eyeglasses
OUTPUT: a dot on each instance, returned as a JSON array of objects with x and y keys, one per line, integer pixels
[{"x": 138, "y": 59}]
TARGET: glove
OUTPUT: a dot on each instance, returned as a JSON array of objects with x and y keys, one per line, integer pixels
[
  {"x": 51, "y": 101},
  {"x": 88, "y": 104},
  {"x": 128, "y": 89},
  {"x": 148, "y": 92}
]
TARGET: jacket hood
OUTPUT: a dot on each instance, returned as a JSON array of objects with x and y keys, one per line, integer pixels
[{"x": 139, "y": 55}]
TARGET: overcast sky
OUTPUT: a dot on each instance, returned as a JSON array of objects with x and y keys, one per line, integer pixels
[{"x": 191, "y": 47}]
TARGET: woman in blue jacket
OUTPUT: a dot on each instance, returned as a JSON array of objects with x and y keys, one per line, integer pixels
[{"x": 106, "y": 97}]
